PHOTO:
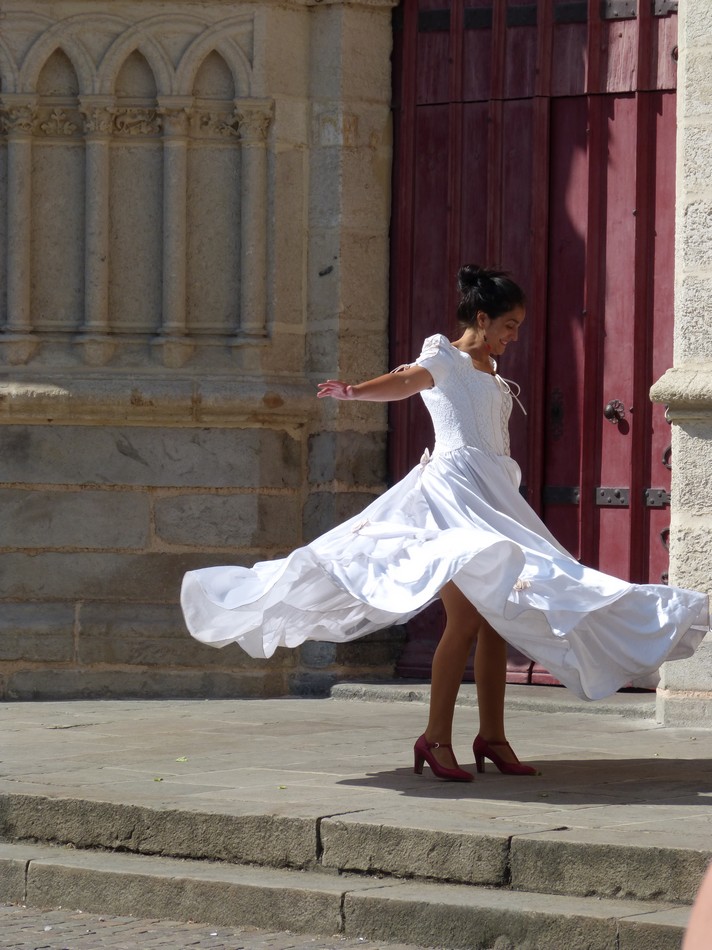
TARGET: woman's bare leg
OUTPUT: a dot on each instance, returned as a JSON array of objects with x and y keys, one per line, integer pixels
[
  {"x": 490, "y": 679},
  {"x": 465, "y": 626},
  {"x": 449, "y": 662}
]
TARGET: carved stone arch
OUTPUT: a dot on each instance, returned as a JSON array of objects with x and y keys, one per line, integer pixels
[
  {"x": 221, "y": 82},
  {"x": 57, "y": 38},
  {"x": 8, "y": 69},
  {"x": 215, "y": 40},
  {"x": 136, "y": 40},
  {"x": 61, "y": 66}
]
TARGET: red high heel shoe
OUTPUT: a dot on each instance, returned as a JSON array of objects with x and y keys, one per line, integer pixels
[
  {"x": 422, "y": 754},
  {"x": 483, "y": 750}
]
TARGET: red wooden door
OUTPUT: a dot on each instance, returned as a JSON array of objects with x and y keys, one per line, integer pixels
[{"x": 541, "y": 136}]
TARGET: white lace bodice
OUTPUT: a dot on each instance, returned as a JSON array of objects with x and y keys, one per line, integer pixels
[{"x": 467, "y": 406}]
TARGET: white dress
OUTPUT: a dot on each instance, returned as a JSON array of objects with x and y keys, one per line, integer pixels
[{"x": 457, "y": 516}]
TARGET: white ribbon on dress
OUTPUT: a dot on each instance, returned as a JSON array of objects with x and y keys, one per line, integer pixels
[{"x": 511, "y": 388}]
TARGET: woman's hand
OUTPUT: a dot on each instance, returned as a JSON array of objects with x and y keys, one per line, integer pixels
[{"x": 336, "y": 389}]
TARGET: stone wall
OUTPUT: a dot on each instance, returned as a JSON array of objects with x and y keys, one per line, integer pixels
[
  {"x": 685, "y": 695},
  {"x": 195, "y": 210}
]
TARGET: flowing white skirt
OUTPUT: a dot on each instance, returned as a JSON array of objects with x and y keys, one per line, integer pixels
[{"x": 458, "y": 516}]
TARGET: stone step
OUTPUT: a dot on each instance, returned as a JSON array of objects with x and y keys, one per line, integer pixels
[
  {"x": 572, "y": 862},
  {"x": 540, "y": 699},
  {"x": 423, "y": 913}
]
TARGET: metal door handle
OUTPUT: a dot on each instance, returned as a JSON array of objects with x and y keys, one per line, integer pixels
[{"x": 614, "y": 411}]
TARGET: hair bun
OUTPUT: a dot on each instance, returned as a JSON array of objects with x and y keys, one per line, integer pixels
[
  {"x": 484, "y": 289},
  {"x": 470, "y": 276}
]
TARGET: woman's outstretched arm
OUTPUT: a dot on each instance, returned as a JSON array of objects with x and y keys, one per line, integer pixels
[{"x": 389, "y": 388}]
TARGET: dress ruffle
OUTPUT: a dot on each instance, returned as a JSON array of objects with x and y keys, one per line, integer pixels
[{"x": 458, "y": 516}]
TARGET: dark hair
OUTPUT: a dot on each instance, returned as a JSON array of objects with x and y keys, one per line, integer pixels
[{"x": 491, "y": 291}]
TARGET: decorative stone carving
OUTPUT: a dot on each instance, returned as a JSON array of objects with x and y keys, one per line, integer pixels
[
  {"x": 135, "y": 121},
  {"x": 219, "y": 125},
  {"x": 175, "y": 121},
  {"x": 19, "y": 119},
  {"x": 254, "y": 122},
  {"x": 98, "y": 120},
  {"x": 57, "y": 123}
]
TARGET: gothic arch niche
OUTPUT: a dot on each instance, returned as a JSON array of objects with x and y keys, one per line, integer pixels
[
  {"x": 135, "y": 201},
  {"x": 57, "y": 270},
  {"x": 213, "y": 207}
]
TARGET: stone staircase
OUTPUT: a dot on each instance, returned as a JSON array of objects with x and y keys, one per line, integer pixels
[{"x": 339, "y": 874}]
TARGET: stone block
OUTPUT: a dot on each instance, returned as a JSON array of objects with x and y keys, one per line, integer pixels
[
  {"x": 378, "y": 652},
  {"x": 12, "y": 876},
  {"x": 326, "y": 166},
  {"x": 696, "y": 24},
  {"x": 689, "y": 551},
  {"x": 463, "y": 918},
  {"x": 696, "y": 142},
  {"x": 314, "y": 684},
  {"x": 230, "y": 521},
  {"x": 695, "y": 227},
  {"x": 375, "y": 653},
  {"x": 570, "y": 862},
  {"x": 661, "y": 930},
  {"x": 37, "y": 632},
  {"x": 154, "y": 635},
  {"x": 362, "y": 253},
  {"x": 263, "y": 839},
  {"x": 325, "y": 510},
  {"x": 86, "y": 519},
  {"x": 140, "y": 683},
  {"x": 107, "y": 455},
  {"x": 696, "y": 86},
  {"x": 351, "y": 844},
  {"x": 684, "y": 709},
  {"x": 351, "y": 458},
  {"x": 114, "y": 578},
  {"x": 367, "y": 45},
  {"x": 694, "y": 674},
  {"x": 317, "y": 654},
  {"x": 322, "y": 360},
  {"x": 692, "y": 469},
  {"x": 693, "y": 341},
  {"x": 282, "y": 65},
  {"x": 211, "y": 894}
]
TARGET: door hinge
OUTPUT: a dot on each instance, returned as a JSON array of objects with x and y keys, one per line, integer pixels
[
  {"x": 561, "y": 494},
  {"x": 664, "y": 7},
  {"x": 612, "y": 497},
  {"x": 619, "y": 9},
  {"x": 656, "y": 498}
]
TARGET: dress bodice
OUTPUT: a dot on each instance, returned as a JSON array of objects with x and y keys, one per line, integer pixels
[{"x": 467, "y": 406}]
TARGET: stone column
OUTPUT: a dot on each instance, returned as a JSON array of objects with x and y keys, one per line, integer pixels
[
  {"x": 685, "y": 693},
  {"x": 98, "y": 347},
  {"x": 254, "y": 119},
  {"x": 19, "y": 114},
  {"x": 174, "y": 345}
]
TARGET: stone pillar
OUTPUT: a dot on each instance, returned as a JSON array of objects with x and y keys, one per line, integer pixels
[
  {"x": 685, "y": 693},
  {"x": 19, "y": 117},
  {"x": 254, "y": 119},
  {"x": 98, "y": 348},
  {"x": 175, "y": 347}
]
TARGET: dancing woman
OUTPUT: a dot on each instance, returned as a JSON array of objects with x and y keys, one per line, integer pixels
[{"x": 456, "y": 527}]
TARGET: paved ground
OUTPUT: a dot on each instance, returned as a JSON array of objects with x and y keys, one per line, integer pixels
[
  {"x": 219, "y": 780},
  {"x": 23, "y": 928}
]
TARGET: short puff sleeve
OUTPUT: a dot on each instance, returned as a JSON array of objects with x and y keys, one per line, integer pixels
[{"x": 437, "y": 356}]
